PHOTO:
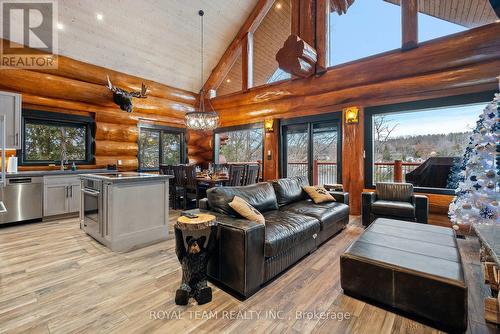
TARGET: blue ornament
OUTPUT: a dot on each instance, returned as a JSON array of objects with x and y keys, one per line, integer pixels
[{"x": 477, "y": 186}]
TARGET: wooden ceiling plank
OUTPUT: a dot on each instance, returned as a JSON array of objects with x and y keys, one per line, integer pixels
[{"x": 228, "y": 58}]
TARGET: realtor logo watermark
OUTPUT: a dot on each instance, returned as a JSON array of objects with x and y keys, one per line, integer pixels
[{"x": 29, "y": 34}]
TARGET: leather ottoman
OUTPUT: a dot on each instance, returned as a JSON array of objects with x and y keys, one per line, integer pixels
[{"x": 413, "y": 268}]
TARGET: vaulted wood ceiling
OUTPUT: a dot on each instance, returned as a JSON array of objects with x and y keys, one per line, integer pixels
[
  {"x": 467, "y": 13},
  {"x": 155, "y": 39}
]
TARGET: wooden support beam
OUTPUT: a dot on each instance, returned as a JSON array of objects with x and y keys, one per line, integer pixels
[
  {"x": 409, "y": 22},
  {"x": 353, "y": 162},
  {"x": 229, "y": 57},
  {"x": 297, "y": 57},
  {"x": 295, "y": 17},
  {"x": 322, "y": 24},
  {"x": 247, "y": 61},
  {"x": 307, "y": 24}
]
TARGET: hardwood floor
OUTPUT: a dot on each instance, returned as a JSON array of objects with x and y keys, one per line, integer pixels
[{"x": 56, "y": 279}]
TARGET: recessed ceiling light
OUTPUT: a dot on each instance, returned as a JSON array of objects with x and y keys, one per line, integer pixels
[
  {"x": 60, "y": 26},
  {"x": 228, "y": 80},
  {"x": 99, "y": 16},
  {"x": 278, "y": 5}
]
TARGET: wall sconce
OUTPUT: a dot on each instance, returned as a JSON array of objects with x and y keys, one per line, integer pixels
[
  {"x": 351, "y": 115},
  {"x": 269, "y": 125}
]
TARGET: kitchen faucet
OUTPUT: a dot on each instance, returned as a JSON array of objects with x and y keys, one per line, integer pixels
[{"x": 63, "y": 158}]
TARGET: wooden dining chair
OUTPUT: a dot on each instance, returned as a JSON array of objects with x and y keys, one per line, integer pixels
[
  {"x": 236, "y": 173},
  {"x": 251, "y": 174}
]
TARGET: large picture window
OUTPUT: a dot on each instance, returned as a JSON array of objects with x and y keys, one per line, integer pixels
[
  {"x": 420, "y": 142},
  {"x": 160, "y": 146},
  {"x": 239, "y": 144},
  {"x": 53, "y": 137}
]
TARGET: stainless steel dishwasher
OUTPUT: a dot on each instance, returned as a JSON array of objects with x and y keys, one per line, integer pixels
[{"x": 23, "y": 199}]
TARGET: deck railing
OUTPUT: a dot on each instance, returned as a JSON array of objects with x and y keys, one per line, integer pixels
[
  {"x": 392, "y": 171},
  {"x": 323, "y": 172}
]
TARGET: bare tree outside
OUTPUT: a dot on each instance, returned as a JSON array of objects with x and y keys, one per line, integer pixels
[{"x": 243, "y": 145}]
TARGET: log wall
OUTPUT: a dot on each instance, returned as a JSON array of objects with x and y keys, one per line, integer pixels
[{"x": 79, "y": 88}]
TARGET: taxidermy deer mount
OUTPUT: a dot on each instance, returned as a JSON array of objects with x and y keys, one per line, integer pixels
[{"x": 123, "y": 98}]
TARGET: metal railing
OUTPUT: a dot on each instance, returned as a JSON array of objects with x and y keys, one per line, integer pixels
[
  {"x": 392, "y": 171},
  {"x": 323, "y": 172}
]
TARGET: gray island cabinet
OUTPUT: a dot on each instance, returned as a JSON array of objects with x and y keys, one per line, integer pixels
[{"x": 125, "y": 211}]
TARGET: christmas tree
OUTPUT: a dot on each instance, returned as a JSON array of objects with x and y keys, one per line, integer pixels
[{"x": 478, "y": 192}]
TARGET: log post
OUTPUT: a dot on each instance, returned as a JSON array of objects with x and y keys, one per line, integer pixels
[
  {"x": 409, "y": 21},
  {"x": 398, "y": 171}
]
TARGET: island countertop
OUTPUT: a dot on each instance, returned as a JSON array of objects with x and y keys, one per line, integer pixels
[
  {"x": 57, "y": 172},
  {"x": 122, "y": 177}
]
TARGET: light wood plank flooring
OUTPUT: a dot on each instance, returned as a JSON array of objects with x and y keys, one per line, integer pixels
[{"x": 55, "y": 279}]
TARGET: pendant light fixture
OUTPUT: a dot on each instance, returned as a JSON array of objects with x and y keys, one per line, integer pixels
[{"x": 205, "y": 120}]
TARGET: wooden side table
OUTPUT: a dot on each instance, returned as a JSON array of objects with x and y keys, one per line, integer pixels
[{"x": 193, "y": 255}]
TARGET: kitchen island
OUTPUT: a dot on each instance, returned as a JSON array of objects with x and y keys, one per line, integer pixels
[{"x": 125, "y": 211}]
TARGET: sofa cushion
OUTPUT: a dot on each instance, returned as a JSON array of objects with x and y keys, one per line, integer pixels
[
  {"x": 289, "y": 190},
  {"x": 246, "y": 210},
  {"x": 389, "y": 191},
  {"x": 327, "y": 213},
  {"x": 318, "y": 194},
  {"x": 261, "y": 196},
  {"x": 285, "y": 230},
  {"x": 393, "y": 208}
]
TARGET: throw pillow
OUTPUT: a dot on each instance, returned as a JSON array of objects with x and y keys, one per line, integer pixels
[
  {"x": 246, "y": 210},
  {"x": 318, "y": 194}
]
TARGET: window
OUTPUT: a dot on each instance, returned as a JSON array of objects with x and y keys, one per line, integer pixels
[
  {"x": 268, "y": 39},
  {"x": 311, "y": 147},
  {"x": 233, "y": 82},
  {"x": 369, "y": 27},
  {"x": 239, "y": 144},
  {"x": 160, "y": 146},
  {"x": 446, "y": 17},
  {"x": 52, "y": 137},
  {"x": 420, "y": 142}
]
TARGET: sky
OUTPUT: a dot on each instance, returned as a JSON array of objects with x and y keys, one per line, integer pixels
[
  {"x": 374, "y": 26},
  {"x": 436, "y": 121}
]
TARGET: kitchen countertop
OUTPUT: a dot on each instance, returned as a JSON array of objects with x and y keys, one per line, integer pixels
[
  {"x": 124, "y": 177},
  {"x": 41, "y": 173}
]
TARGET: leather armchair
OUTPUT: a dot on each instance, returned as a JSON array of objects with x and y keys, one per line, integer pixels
[{"x": 396, "y": 201}]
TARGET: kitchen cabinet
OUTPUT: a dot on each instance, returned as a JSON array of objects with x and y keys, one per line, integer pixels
[
  {"x": 10, "y": 106},
  {"x": 61, "y": 195}
]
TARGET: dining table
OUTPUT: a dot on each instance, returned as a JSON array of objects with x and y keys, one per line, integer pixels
[{"x": 212, "y": 181}]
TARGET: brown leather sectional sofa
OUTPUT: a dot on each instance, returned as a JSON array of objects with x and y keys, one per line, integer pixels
[{"x": 250, "y": 254}]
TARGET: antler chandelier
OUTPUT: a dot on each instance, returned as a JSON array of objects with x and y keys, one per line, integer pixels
[{"x": 202, "y": 119}]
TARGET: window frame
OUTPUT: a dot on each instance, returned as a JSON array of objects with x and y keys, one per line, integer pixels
[
  {"x": 309, "y": 121},
  {"x": 57, "y": 119},
  {"x": 258, "y": 125},
  {"x": 451, "y": 101},
  {"x": 160, "y": 129}
]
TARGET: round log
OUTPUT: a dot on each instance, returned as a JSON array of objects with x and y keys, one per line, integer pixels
[
  {"x": 115, "y": 148},
  {"x": 116, "y": 132}
]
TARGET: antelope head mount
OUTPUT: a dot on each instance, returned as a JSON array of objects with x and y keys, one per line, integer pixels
[{"x": 123, "y": 98}]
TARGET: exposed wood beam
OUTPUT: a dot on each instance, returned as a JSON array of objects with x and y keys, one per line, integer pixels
[
  {"x": 295, "y": 17},
  {"x": 409, "y": 22},
  {"x": 229, "y": 57},
  {"x": 247, "y": 61},
  {"x": 322, "y": 13},
  {"x": 340, "y": 6},
  {"x": 307, "y": 22}
]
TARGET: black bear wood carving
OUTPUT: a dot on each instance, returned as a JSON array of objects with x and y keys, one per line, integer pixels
[
  {"x": 194, "y": 263},
  {"x": 123, "y": 98}
]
